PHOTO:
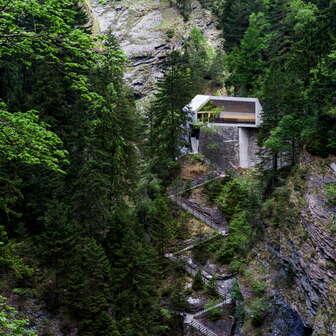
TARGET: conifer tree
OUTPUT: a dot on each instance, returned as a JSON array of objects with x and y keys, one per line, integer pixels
[
  {"x": 235, "y": 19},
  {"x": 246, "y": 63},
  {"x": 87, "y": 288},
  {"x": 134, "y": 276},
  {"x": 167, "y": 120}
]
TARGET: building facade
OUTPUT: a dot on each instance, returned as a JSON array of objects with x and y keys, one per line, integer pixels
[{"x": 224, "y": 129}]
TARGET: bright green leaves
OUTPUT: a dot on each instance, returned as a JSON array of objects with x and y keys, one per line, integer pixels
[
  {"x": 31, "y": 30},
  {"x": 10, "y": 325},
  {"x": 284, "y": 135},
  {"x": 246, "y": 63},
  {"x": 302, "y": 13},
  {"x": 24, "y": 138}
]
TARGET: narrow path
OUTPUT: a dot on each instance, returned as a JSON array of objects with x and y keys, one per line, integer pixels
[
  {"x": 223, "y": 284},
  {"x": 191, "y": 243},
  {"x": 200, "y": 213},
  {"x": 198, "y": 182}
]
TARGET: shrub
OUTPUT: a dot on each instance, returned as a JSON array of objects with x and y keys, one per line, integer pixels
[
  {"x": 198, "y": 283},
  {"x": 258, "y": 287},
  {"x": 170, "y": 33},
  {"x": 211, "y": 287},
  {"x": 257, "y": 310},
  {"x": 236, "y": 264},
  {"x": 330, "y": 190},
  {"x": 239, "y": 240},
  {"x": 213, "y": 314},
  {"x": 235, "y": 292}
]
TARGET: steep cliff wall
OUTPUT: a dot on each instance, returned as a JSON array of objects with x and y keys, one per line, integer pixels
[
  {"x": 300, "y": 243},
  {"x": 147, "y": 31}
]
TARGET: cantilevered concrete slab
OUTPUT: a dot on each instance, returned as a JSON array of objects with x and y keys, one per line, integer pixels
[{"x": 228, "y": 113}]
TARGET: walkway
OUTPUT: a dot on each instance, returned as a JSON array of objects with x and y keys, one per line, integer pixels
[
  {"x": 213, "y": 219},
  {"x": 210, "y": 218}
]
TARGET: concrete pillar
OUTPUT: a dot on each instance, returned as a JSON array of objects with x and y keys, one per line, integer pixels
[
  {"x": 244, "y": 161},
  {"x": 194, "y": 145}
]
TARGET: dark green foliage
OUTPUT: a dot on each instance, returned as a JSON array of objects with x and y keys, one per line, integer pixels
[
  {"x": 239, "y": 200},
  {"x": 215, "y": 313},
  {"x": 87, "y": 279},
  {"x": 57, "y": 88},
  {"x": 214, "y": 187},
  {"x": 211, "y": 287},
  {"x": 247, "y": 62},
  {"x": 234, "y": 18},
  {"x": 201, "y": 253},
  {"x": 330, "y": 190},
  {"x": 198, "y": 56},
  {"x": 166, "y": 119},
  {"x": 286, "y": 57},
  {"x": 178, "y": 296},
  {"x": 258, "y": 287},
  {"x": 257, "y": 310},
  {"x": 239, "y": 240},
  {"x": 197, "y": 282},
  {"x": 184, "y": 7},
  {"x": 235, "y": 291}
]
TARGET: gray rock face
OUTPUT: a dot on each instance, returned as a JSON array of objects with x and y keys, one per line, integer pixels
[
  {"x": 308, "y": 250},
  {"x": 148, "y": 30},
  {"x": 220, "y": 146}
]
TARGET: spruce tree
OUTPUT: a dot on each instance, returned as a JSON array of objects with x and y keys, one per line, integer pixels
[
  {"x": 235, "y": 20},
  {"x": 167, "y": 120}
]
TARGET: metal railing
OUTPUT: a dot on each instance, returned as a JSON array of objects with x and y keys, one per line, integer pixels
[
  {"x": 201, "y": 327},
  {"x": 198, "y": 213}
]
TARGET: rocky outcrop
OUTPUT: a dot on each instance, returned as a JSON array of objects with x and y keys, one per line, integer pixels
[
  {"x": 306, "y": 250},
  {"x": 148, "y": 30}
]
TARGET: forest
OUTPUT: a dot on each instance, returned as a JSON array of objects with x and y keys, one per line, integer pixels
[{"x": 84, "y": 176}]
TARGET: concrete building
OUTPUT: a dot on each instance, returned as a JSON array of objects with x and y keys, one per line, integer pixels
[{"x": 229, "y": 140}]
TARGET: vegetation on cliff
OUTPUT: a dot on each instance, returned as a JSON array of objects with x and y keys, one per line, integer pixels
[{"x": 84, "y": 215}]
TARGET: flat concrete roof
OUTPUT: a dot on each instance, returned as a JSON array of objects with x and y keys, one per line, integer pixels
[
  {"x": 200, "y": 100},
  {"x": 228, "y": 98},
  {"x": 232, "y": 124}
]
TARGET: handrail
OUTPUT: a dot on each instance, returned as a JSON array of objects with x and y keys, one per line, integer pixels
[
  {"x": 201, "y": 327},
  {"x": 198, "y": 213}
]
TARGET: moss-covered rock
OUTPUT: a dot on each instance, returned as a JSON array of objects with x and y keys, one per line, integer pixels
[{"x": 148, "y": 30}]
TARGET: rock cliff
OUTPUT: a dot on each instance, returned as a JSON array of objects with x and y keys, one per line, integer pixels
[
  {"x": 301, "y": 239},
  {"x": 148, "y": 30}
]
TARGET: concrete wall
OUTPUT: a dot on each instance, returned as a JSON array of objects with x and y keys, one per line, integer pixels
[
  {"x": 220, "y": 145},
  {"x": 244, "y": 161},
  {"x": 252, "y": 146},
  {"x": 247, "y": 147},
  {"x": 229, "y": 147}
]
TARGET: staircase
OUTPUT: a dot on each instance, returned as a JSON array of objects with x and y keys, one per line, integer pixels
[
  {"x": 199, "y": 213},
  {"x": 214, "y": 220},
  {"x": 201, "y": 327}
]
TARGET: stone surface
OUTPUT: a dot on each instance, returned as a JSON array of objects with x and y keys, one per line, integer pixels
[
  {"x": 308, "y": 250},
  {"x": 252, "y": 145},
  {"x": 144, "y": 29},
  {"x": 221, "y": 146}
]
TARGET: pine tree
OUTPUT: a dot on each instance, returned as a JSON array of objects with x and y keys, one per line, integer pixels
[
  {"x": 134, "y": 276},
  {"x": 167, "y": 120},
  {"x": 198, "y": 56},
  {"x": 247, "y": 63},
  {"x": 86, "y": 288},
  {"x": 235, "y": 20}
]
